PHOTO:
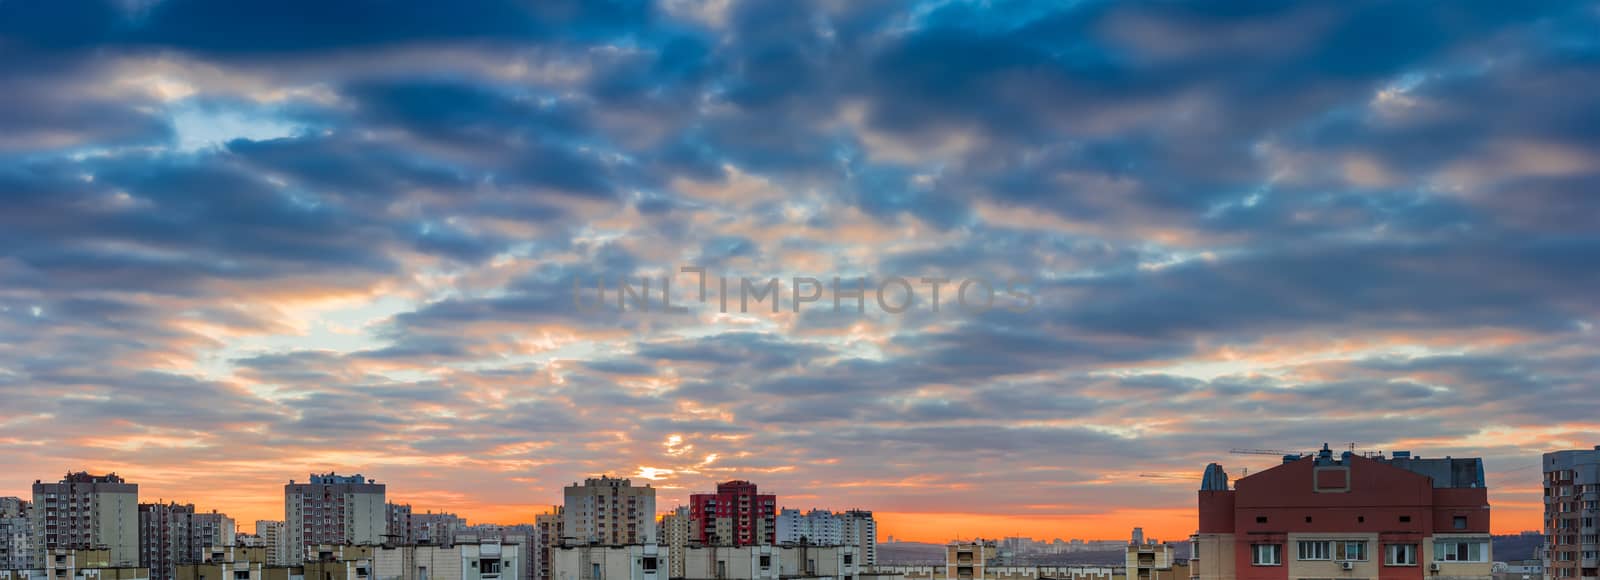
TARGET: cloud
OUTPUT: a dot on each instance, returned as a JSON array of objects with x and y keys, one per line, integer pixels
[{"x": 274, "y": 238}]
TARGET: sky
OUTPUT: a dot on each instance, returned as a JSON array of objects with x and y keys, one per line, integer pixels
[{"x": 241, "y": 242}]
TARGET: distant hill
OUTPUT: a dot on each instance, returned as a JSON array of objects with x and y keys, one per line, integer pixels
[
  {"x": 918, "y": 553},
  {"x": 910, "y": 554}
]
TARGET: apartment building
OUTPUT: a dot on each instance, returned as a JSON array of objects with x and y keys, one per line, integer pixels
[
  {"x": 165, "y": 538},
  {"x": 736, "y": 515},
  {"x": 16, "y": 534},
  {"x": 525, "y": 536},
  {"x": 826, "y": 528},
  {"x": 674, "y": 533},
  {"x": 434, "y": 528},
  {"x": 550, "y": 526},
  {"x": 467, "y": 560},
  {"x": 333, "y": 509},
  {"x": 77, "y": 564},
  {"x": 274, "y": 540},
  {"x": 1572, "y": 514},
  {"x": 1152, "y": 561},
  {"x": 610, "y": 511},
  {"x": 1345, "y": 516},
  {"x": 397, "y": 517},
  {"x": 87, "y": 512},
  {"x": 609, "y": 562}
]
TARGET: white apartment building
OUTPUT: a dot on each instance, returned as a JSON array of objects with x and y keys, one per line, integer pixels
[
  {"x": 274, "y": 540},
  {"x": 827, "y": 528},
  {"x": 334, "y": 510}
]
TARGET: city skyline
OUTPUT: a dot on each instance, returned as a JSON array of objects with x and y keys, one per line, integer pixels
[
  {"x": 245, "y": 241},
  {"x": 954, "y": 525}
]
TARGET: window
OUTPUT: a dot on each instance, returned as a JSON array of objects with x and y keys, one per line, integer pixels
[
  {"x": 648, "y": 563},
  {"x": 1353, "y": 550},
  {"x": 489, "y": 566},
  {"x": 1266, "y": 554},
  {"x": 1405, "y": 519},
  {"x": 1402, "y": 555},
  {"x": 1261, "y": 519},
  {"x": 1318, "y": 550},
  {"x": 849, "y": 559},
  {"x": 766, "y": 561},
  {"x": 1461, "y": 551},
  {"x": 1460, "y": 522}
]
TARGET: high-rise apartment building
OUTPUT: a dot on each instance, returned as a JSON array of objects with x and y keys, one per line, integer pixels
[
  {"x": 405, "y": 526},
  {"x": 16, "y": 535},
  {"x": 165, "y": 538},
  {"x": 674, "y": 533},
  {"x": 398, "y": 518},
  {"x": 549, "y": 527},
  {"x": 610, "y": 511},
  {"x": 84, "y": 512},
  {"x": 736, "y": 515},
  {"x": 172, "y": 534},
  {"x": 274, "y": 540},
  {"x": 333, "y": 509},
  {"x": 438, "y": 529},
  {"x": 861, "y": 531},
  {"x": 1572, "y": 514},
  {"x": 826, "y": 528},
  {"x": 1345, "y": 516},
  {"x": 208, "y": 530}
]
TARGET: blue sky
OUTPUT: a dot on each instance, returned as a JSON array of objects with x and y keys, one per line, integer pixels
[{"x": 247, "y": 240}]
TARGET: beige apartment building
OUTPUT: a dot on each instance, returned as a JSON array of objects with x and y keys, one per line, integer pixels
[
  {"x": 274, "y": 540},
  {"x": 86, "y": 564},
  {"x": 676, "y": 527},
  {"x": 335, "y": 510},
  {"x": 609, "y": 511},
  {"x": 87, "y": 512}
]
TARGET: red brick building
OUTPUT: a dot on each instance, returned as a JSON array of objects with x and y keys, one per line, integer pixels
[
  {"x": 1346, "y": 517},
  {"x": 736, "y": 515}
]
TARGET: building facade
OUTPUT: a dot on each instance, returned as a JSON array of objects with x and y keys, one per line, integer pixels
[
  {"x": 334, "y": 510},
  {"x": 674, "y": 534},
  {"x": 826, "y": 528},
  {"x": 609, "y": 562},
  {"x": 77, "y": 564},
  {"x": 171, "y": 534},
  {"x": 165, "y": 540},
  {"x": 398, "y": 518},
  {"x": 16, "y": 534},
  {"x": 1346, "y": 516},
  {"x": 274, "y": 541},
  {"x": 1572, "y": 514},
  {"x": 736, "y": 515},
  {"x": 550, "y": 526},
  {"x": 610, "y": 511},
  {"x": 87, "y": 512}
]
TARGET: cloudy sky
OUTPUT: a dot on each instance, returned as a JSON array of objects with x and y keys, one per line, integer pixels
[{"x": 243, "y": 241}]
